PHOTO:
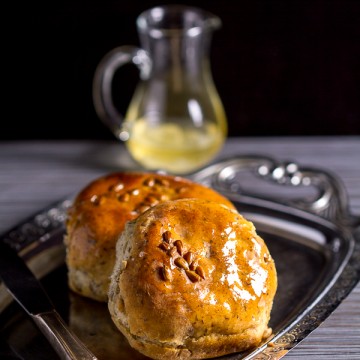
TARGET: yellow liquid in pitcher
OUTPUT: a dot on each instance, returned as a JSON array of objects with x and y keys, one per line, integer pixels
[{"x": 173, "y": 148}]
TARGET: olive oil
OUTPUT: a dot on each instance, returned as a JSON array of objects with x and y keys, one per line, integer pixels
[{"x": 173, "y": 147}]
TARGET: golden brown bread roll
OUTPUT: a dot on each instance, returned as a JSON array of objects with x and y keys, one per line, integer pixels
[
  {"x": 98, "y": 216},
  {"x": 192, "y": 280}
]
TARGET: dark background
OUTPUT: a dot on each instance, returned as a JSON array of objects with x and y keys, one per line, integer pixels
[{"x": 280, "y": 67}]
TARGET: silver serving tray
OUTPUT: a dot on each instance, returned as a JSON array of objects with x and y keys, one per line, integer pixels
[{"x": 314, "y": 240}]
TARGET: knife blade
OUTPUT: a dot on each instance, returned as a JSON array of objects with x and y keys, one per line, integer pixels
[{"x": 32, "y": 297}]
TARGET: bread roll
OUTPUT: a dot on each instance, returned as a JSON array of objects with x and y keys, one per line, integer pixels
[
  {"x": 98, "y": 216},
  {"x": 192, "y": 280}
]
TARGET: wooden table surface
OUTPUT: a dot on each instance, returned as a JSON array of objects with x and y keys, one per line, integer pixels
[{"x": 34, "y": 174}]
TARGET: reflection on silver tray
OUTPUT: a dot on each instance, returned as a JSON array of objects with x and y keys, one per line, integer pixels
[{"x": 315, "y": 244}]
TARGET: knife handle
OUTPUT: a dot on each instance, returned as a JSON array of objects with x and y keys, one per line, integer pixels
[{"x": 65, "y": 343}]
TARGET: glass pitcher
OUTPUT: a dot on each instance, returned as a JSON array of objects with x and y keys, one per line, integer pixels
[{"x": 175, "y": 121}]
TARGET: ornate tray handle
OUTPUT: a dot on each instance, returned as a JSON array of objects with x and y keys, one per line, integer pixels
[{"x": 331, "y": 201}]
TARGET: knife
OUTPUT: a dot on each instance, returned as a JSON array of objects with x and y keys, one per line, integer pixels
[{"x": 29, "y": 293}]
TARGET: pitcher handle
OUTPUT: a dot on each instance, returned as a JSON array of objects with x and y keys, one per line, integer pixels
[{"x": 102, "y": 83}]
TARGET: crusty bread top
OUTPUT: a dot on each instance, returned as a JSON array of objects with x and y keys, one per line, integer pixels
[
  {"x": 100, "y": 212},
  {"x": 192, "y": 275}
]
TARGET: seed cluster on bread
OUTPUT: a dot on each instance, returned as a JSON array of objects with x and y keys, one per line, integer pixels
[
  {"x": 99, "y": 214},
  {"x": 192, "y": 280}
]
